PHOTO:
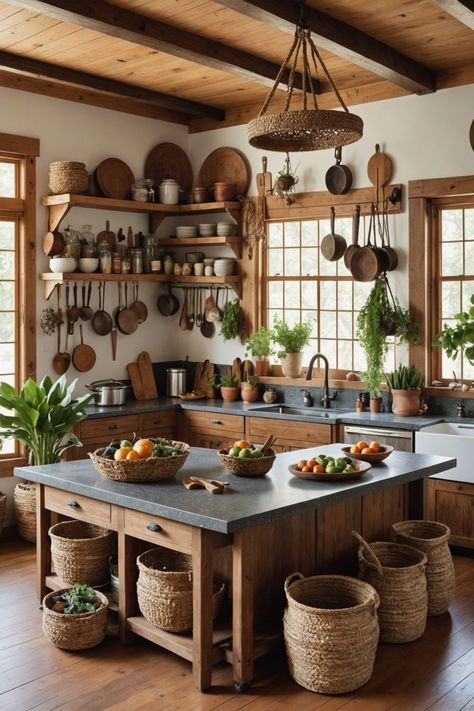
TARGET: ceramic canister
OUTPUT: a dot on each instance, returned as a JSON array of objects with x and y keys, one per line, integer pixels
[{"x": 169, "y": 192}]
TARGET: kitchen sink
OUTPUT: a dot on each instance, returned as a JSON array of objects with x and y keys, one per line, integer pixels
[
  {"x": 302, "y": 412},
  {"x": 450, "y": 439}
]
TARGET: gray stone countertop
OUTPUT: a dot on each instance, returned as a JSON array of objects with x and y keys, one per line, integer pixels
[{"x": 248, "y": 502}]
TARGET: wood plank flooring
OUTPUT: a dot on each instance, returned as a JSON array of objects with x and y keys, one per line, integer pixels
[{"x": 436, "y": 672}]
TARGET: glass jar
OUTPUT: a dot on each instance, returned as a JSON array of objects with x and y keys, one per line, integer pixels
[
  {"x": 177, "y": 269},
  {"x": 88, "y": 240},
  {"x": 168, "y": 264},
  {"x": 72, "y": 243},
  {"x": 116, "y": 263},
  {"x": 126, "y": 264},
  {"x": 148, "y": 252},
  {"x": 137, "y": 261},
  {"x": 106, "y": 262}
]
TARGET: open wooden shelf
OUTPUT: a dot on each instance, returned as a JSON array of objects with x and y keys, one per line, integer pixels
[{"x": 235, "y": 243}]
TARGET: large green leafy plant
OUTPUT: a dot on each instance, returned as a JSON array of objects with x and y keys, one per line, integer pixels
[
  {"x": 43, "y": 415},
  {"x": 258, "y": 344},
  {"x": 405, "y": 378},
  {"x": 452, "y": 339},
  {"x": 291, "y": 340}
]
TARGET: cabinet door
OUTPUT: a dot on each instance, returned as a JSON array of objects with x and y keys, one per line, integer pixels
[
  {"x": 452, "y": 503},
  {"x": 211, "y": 440}
]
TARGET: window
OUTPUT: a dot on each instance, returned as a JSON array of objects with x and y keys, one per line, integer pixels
[
  {"x": 299, "y": 284},
  {"x": 453, "y": 234}
]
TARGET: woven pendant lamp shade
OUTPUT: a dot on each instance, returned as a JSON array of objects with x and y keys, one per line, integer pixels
[{"x": 306, "y": 129}]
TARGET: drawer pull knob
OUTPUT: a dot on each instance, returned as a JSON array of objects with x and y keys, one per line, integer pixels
[
  {"x": 216, "y": 422},
  {"x": 73, "y": 504},
  {"x": 113, "y": 427},
  {"x": 155, "y": 527}
]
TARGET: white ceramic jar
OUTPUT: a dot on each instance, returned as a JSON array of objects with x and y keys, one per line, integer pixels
[{"x": 169, "y": 192}]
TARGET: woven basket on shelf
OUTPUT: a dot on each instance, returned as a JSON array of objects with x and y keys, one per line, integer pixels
[
  {"x": 3, "y": 506},
  {"x": 151, "y": 469},
  {"x": 165, "y": 589},
  {"x": 61, "y": 165},
  {"x": 247, "y": 467},
  {"x": 331, "y": 632},
  {"x": 81, "y": 631},
  {"x": 432, "y": 538},
  {"x": 68, "y": 177},
  {"x": 24, "y": 499},
  {"x": 80, "y": 552},
  {"x": 397, "y": 572}
]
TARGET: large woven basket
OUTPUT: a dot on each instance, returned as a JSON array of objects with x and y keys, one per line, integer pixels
[
  {"x": 75, "y": 631},
  {"x": 247, "y": 467},
  {"x": 165, "y": 589},
  {"x": 432, "y": 538},
  {"x": 331, "y": 632},
  {"x": 142, "y": 469},
  {"x": 397, "y": 572},
  {"x": 68, "y": 177},
  {"x": 80, "y": 552},
  {"x": 24, "y": 499},
  {"x": 3, "y": 506}
]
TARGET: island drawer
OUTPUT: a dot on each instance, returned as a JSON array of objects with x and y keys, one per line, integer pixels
[
  {"x": 109, "y": 427},
  {"x": 77, "y": 506},
  {"x": 288, "y": 430},
  {"x": 154, "y": 422},
  {"x": 216, "y": 421},
  {"x": 158, "y": 530}
]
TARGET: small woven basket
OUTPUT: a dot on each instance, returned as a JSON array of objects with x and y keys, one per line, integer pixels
[
  {"x": 165, "y": 589},
  {"x": 432, "y": 538},
  {"x": 24, "y": 499},
  {"x": 331, "y": 632},
  {"x": 61, "y": 165},
  {"x": 3, "y": 506},
  {"x": 247, "y": 467},
  {"x": 142, "y": 469},
  {"x": 397, "y": 572},
  {"x": 80, "y": 552},
  {"x": 81, "y": 631},
  {"x": 68, "y": 177}
]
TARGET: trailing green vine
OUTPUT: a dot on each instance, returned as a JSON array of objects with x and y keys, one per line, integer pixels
[
  {"x": 230, "y": 328},
  {"x": 371, "y": 336}
]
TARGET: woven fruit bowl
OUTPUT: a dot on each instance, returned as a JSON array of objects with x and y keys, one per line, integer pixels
[
  {"x": 249, "y": 467},
  {"x": 151, "y": 469}
]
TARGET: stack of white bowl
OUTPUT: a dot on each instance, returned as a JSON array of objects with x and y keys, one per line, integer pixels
[
  {"x": 186, "y": 231},
  {"x": 225, "y": 229},
  {"x": 224, "y": 267},
  {"x": 207, "y": 229}
]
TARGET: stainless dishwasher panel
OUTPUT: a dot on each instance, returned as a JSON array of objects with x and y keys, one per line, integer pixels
[{"x": 401, "y": 440}]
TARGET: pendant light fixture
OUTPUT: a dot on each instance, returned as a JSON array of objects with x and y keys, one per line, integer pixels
[{"x": 306, "y": 129}]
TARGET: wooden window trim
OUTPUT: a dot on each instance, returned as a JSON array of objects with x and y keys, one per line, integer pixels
[{"x": 422, "y": 196}]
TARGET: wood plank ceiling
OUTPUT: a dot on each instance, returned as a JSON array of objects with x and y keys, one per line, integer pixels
[{"x": 209, "y": 63}]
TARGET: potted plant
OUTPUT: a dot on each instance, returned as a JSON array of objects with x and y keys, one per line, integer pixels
[
  {"x": 292, "y": 342},
  {"x": 75, "y": 618},
  {"x": 405, "y": 384},
  {"x": 452, "y": 339},
  {"x": 258, "y": 345},
  {"x": 249, "y": 389},
  {"x": 228, "y": 386}
]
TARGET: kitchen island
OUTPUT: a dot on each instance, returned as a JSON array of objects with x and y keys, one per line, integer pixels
[{"x": 252, "y": 537}]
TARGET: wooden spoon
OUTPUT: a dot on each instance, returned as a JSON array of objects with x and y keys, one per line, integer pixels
[
  {"x": 86, "y": 311},
  {"x": 61, "y": 361},
  {"x": 183, "y": 321}
]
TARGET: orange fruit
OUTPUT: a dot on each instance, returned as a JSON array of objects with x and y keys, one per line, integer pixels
[
  {"x": 132, "y": 456},
  {"x": 307, "y": 469},
  {"x": 242, "y": 444},
  {"x": 355, "y": 449},
  {"x": 311, "y": 463},
  {"x": 362, "y": 444},
  {"x": 367, "y": 450},
  {"x": 375, "y": 446},
  {"x": 301, "y": 464},
  {"x": 319, "y": 469},
  {"x": 121, "y": 454},
  {"x": 144, "y": 448}
]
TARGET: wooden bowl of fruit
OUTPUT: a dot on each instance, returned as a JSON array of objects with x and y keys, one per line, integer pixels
[
  {"x": 246, "y": 459},
  {"x": 324, "y": 467},
  {"x": 143, "y": 460},
  {"x": 372, "y": 452}
]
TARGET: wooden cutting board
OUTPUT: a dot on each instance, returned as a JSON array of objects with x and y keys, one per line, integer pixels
[
  {"x": 137, "y": 385},
  {"x": 204, "y": 371},
  {"x": 379, "y": 169},
  {"x": 115, "y": 178},
  {"x": 107, "y": 236},
  {"x": 237, "y": 371},
  {"x": 248, "y": 368},
  {"x": 264, "y": 180},
  {"x": 145, "y": 368}
]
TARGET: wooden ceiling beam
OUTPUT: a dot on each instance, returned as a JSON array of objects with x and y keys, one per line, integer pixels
[
  {"x": 342, "y": 40},
  {"x": 124, "y": 24},
  {"x": 462, "y": 10},
  {"x": 25, "y": 65}
]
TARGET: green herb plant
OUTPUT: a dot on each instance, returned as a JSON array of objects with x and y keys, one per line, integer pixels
[
  {"x": 43, "y": 415},
  {"x": 251, "y": 381},
  {"x": 291, "y": 340},
  {"x": 372, "y": 338},
  {"x": 258, "y": 344},
  {"x": 79, "y": 599},
  {"x": 227, "y": 381},
  {"x": 405, "y": 378},
  {"x": 230, "y": 328},
  {"x": 460, "y": 337}
]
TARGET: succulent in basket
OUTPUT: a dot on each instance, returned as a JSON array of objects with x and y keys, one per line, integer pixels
[{"x": 79, "y": 599}]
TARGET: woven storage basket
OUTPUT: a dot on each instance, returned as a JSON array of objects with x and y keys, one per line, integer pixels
[
  {"x": 397, "y": 572},
  {"x": 74, "y": 631},
  {"x": 432, "y": 538},
  {"x": 247, "y": 467},
  {"x": 3, "y": 506},
  {"x": 61, "y": 165},
  {"x": 142, "y": 469},
  {"x": 68, "y": 182},
  {"x": 24, "y": 498},
  {"x": 331, "y": 632},
  {"x": 80, "y": 552},
  {"x": 165, "y": 589}
]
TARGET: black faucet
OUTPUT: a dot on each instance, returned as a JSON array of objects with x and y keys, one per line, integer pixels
[{"x": 326, "y": 397}]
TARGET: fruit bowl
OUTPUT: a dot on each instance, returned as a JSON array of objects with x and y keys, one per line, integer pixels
[
  {"x": 358, "y": 469},
  {"x": 150, "y": 469},
  {"x": 247, "y": 466},
  {"x": 385, "y": 451}
]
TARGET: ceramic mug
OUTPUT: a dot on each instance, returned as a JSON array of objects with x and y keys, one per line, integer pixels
[
  {"x": 168, "y": 265},
  {"x": 199, "y": 269},
  {"x": 187, "y": 269},
  {"x": 208, "y": 270},
  {"x": 177, "y": 269}
]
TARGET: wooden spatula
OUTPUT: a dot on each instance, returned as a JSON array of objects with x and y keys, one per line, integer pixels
[{"x": 107, "y": 236}]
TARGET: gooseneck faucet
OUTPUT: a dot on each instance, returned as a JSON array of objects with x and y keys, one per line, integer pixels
[{"x": 326, "y": 397}]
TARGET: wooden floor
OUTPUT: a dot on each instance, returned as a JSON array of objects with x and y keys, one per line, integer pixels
[{"x": 436, "y": 672}]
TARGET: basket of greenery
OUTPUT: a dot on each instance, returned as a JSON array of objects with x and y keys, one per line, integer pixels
[
  {"x": 291, "y": 342},
  {"x": 249, "y": 389},
  {"x": 75, "y": 618},
  {"x": 405, "y": 384},
  {"x": 258, "y": 345}
]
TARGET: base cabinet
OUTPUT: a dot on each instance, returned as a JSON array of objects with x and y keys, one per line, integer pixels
[
  {"x": 452, "y": 503},
  {"x": 290, "y": 435}
]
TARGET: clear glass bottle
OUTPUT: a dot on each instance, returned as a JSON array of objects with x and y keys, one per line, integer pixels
[
  {"x": 72, "y": 243},
  {"x": 126, "y": 264},
  {"x": 88, "y": 241},
  {"x": 137, "y": 260},
  {"x": 106, "y": 262},
  {"x": 116, "y": 263}
]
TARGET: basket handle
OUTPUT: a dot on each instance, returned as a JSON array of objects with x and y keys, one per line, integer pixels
[
  {"x": 291, "y": 579},
  {"x": 375, "y": 561}
]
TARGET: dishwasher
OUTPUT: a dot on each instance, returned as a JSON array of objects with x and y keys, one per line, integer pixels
[{"x": 401, "y": 440}]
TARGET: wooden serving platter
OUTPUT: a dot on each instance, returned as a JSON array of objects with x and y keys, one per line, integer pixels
[
  {"x": 226, "y": 165},
  {"x": 167, "y": 160},
  {"x": 362, "y": 468},
  {"x": 115, "y": 178}
]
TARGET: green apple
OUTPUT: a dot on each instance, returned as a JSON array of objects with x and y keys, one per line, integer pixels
[
  {"x": 245, "y": 453},
  {"x": 256, "y": 454},
  {"x": 126, "y": 443},
  {"x": 234, "y": 451}
]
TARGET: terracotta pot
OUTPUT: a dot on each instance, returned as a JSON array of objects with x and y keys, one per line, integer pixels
[
  {"x": 375, "y": 404},
  {"x": 262, "y": 366},
  {"x": 224, "y": 192},
  {"x": 229, "y": 394},
  {"x": 291, "y": 365},
  {"x": 249, "y": 394},
  {"x": 406, "y": 403}
]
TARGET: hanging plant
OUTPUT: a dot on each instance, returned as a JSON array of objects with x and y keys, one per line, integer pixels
[
  {"x": 286, "y": 181},
  {"x": 230, "y": 328}
]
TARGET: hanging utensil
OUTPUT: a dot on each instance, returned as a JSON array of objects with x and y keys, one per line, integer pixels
[
  {"x": 183, "y": 320},
  {"x": 119, "y": 306},
  {"x": 139, "y": 307},
  {"x": 83, "y": 357},
  {"x": 102, "y": 321},
  {"x": 392, "y": 256},
  {"x": 192, "y": 315},
  {"x": 86, "y": 311},
  {"x": 364, "y": 263},
  {"x": 213, "y": 312},
  {"x": 352, "y": 248},
  {"x": 113, "y": 339},
  {"x": 61, "y": 360},
  {"x": 199, "y": 309},
  {"x": 167, "y": 304},
  {"x": 338, "y": 177},
  {"x": 126, "y": 320},
  {"x": 333, "y": 245},
  {"x": 207, "y": 327},
  {"x": 73, "y": 310},
  {"x": 379, "y": 170}
]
